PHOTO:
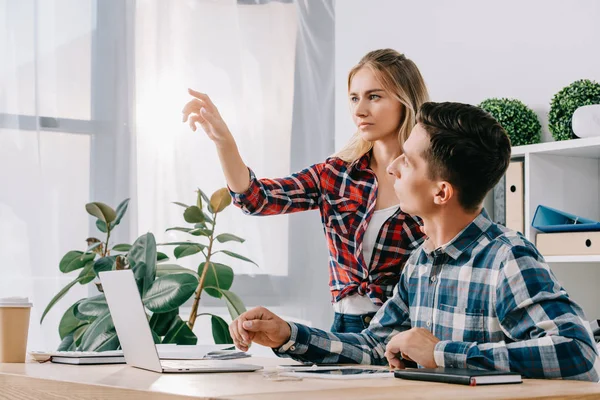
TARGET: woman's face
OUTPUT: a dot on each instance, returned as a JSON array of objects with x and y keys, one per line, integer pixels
[{"x": 375, "y": 111}]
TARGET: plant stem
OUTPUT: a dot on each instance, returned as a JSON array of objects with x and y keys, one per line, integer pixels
[
  {"x": 193, "y": 314},
  {"x": 106, "y": 252}
]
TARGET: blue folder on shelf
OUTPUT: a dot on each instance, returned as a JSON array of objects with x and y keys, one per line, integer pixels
[{"x": 549, "y": 220}]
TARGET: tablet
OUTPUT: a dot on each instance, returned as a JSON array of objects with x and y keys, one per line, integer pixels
[{"x": 341, "y": 373}]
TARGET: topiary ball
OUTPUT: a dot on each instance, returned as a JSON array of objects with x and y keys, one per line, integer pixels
[
  {"x": 583, "y": 92},
  {"x": 518, "y": 120}
]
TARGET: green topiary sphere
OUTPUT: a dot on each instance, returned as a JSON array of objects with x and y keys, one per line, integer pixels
[
  {"x": 518, "y": 120},
  {"x": 564, "y": 103}
]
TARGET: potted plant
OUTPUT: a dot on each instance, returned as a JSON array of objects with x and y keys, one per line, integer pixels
[
  {"x": 519, "y": 121},
  {"x": 164, "y": 287},
  {"x": 564, "y": 103}
]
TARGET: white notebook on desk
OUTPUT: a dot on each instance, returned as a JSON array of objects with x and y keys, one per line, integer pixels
[{"x": 165, "y": 352}]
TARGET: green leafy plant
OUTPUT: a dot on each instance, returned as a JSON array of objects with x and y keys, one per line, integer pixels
[
  {"x": 213, "y": 278},
  {"x": 583, "y": 92},
  {"x": 519, "y": 121},
  {"x": 164, "y": 287}
]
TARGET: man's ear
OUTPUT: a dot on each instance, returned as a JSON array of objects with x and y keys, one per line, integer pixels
[{"x": 444, "y": 192}]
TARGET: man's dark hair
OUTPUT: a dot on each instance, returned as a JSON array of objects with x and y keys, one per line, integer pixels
[{"x": 468, "y": 148}]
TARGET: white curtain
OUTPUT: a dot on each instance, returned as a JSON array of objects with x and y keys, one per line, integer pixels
[
  {"x": 243, "y": 56},
  {"x": 45, "y": 71}
]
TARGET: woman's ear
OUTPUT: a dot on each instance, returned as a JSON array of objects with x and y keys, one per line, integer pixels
[{"x": 444, "y": 192}]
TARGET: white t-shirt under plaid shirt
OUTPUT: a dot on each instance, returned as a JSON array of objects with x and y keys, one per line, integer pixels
[{"x": 488, "y": 296}]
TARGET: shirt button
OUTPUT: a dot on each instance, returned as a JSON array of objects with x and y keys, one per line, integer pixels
[
  {"x": 293, "y": 348},
  {"x": 428, "y": 323},
  {"x": 433, "y": 279}
]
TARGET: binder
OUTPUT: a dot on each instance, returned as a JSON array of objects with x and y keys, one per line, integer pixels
[
  {"x": 514, "y": 197},
  {"x": 568, "y": 243},
  {"x": 500, "y": 201}
]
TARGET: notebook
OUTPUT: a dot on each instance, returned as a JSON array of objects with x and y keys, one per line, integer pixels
[{"x": 460, "y": 376}]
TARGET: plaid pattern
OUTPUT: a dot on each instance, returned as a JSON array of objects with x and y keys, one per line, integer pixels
[
  {"x": 488, "y": 296},
  {"x": 345, "y": 194}
]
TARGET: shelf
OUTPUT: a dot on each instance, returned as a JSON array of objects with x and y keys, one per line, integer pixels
[
  {"x": 587, "y": 148},
  {"x": 572, "y": 259}
]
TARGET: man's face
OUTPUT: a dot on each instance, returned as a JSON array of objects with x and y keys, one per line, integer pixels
[{"x": 414, "y": 189}]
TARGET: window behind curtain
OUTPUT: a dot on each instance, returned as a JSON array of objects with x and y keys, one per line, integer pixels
[
  {"x": 243, "y": 56},
  {"x": 45, "y": 72}
]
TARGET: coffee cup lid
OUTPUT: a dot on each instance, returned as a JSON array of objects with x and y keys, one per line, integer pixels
[{"x": 15, "y": 302}]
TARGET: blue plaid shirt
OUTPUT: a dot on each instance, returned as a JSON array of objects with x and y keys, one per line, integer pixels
[{"x": 488, "y": 296}]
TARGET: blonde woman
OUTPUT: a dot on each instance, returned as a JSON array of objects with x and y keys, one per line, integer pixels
[{"x": 369, "y": 237}]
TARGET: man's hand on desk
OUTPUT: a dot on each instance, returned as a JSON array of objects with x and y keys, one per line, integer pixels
[
  {"x": 261, "y": 326},
  {"x": 416, "y": 344}
]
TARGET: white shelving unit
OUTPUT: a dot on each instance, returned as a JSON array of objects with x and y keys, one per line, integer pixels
[{"x": 566, "y": 175}]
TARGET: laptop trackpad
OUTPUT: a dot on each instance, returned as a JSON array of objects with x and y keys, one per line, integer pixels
[{"x": 206, "y": 366}]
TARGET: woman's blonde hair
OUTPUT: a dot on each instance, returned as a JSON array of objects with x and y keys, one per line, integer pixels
[{"x": 400, "y": 77}]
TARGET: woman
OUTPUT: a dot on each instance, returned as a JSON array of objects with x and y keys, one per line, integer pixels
[{"x": 369, "y": 237}]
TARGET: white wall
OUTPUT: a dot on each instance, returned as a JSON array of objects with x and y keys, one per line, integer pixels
[{"x": 470, "y": 50}]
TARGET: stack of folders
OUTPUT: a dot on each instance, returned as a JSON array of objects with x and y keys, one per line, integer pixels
[
  {"x": 459, "y": 376},
  {"x": 565, "y": 234}
]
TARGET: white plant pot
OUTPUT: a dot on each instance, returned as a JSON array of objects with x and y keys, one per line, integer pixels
[{"x": 586, "y": 121}]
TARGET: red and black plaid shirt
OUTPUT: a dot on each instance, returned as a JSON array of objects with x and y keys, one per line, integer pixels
[{"x": 345, "y": 194}]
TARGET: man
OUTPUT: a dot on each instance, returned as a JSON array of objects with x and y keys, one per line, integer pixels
[{"x": 475, "y": 294}]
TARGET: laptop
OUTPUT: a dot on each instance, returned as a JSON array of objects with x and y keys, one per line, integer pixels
[{"x": 133, "y": 330}]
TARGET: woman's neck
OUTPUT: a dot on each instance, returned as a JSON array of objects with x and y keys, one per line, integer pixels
[{"x": 384, "y": 152}]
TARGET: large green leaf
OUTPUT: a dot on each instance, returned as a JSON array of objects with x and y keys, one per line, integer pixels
[
  {"x": 101, "y": 211},
  {"x": 104, "y": 342},
  {"x": 155, "y": 337},
  {"x": 220, "y": 200},
  {"x": 143, "y": 251},
  {"x": 67, "y": 343},
  {"x": 91, "y": 308},
  {"x": 59, "y": 296},
  {"x": 99, "y": 333},
  {"x": 198, "y": 231},
  {"x": 161, "y": 322},
  {"x": 121, "y": 209},
  {"x": 87, "y": 274},
  {"x": 218, "y": 275},
  {"x": 185, "y": 250},
  {"x": 74, "y": 259},
  {"x": 193, "y": 215},
  {"x": 180, "y": 333},
  {"x": 104, "y": 264},
  {"x": 182, "y": 244},
  {"x": 95, "y": 246},
  {"x": 199, "y": 199},
  {"x": 101, "y": 226},
  {"x": 78, "y": 334},
  {"x": 161, "y": 256},
  {"x": 202, "y": 231},
  {"x": 167, "y": 269},
  {"x": 234, "y": 303},
  {"x": 170, "y": 292},
  {"x": 69, "y": 322},
  {"x": 204, "y": 196},
  {"x": 228, "y": 237},
  {"x": 124, "y": 247},
  {"x": 220, "y": 330},
  {"x": 235, "y": 255}
]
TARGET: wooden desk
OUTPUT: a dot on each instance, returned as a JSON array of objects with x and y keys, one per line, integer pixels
[{"x": 55, "y": 381}]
